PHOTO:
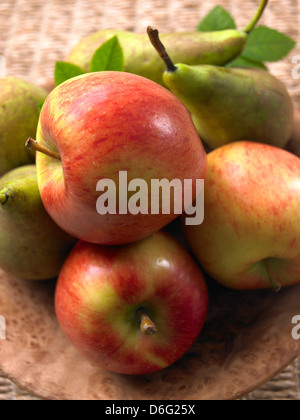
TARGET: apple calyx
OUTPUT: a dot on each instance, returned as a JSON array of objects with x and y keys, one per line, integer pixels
[
  {"x": 153, "y": 35},
  {"x": 35, "y": 146},
  {"x": 147, "y": 326}
]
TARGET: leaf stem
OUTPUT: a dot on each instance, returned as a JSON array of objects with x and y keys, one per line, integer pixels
[
  {"x": 153, "y": 35},
  {"x": 249, "y": 28},
  {"x": 34, "y": 145}
]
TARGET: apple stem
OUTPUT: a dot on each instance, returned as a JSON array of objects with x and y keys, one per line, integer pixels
[
  {"x": 34, "y": 145},
  {"x": 147, "y": 327},
  {"x": 153, "y": 35},
  {"x": 276, "y": 287}
]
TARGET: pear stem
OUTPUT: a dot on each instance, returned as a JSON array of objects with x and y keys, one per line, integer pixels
[
  {"x": 147, "y": 327},
  {"x": 4, "y": 196},
  {"x": 153, "y": 35},
  {"x": 34, "y": 145},
  {"x": 249, "y": 28}
]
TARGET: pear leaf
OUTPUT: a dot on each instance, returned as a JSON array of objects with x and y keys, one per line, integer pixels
[
  {"x": 65, "y": 71},
  {"x": 266, "y": 44},
  {"x": 109, "y": 57},
  {"x": 218, "y": 19},
  {"x": 246, "y": 62}
]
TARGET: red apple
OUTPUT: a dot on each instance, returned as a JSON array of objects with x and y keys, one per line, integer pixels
[
  {"x": 99, "y": 124},
  {"x": 132, "y": 309},
  {"x": 250, "y": 237}
]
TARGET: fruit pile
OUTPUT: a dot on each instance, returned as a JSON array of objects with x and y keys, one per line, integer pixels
[{"x": 119, "y": 157}]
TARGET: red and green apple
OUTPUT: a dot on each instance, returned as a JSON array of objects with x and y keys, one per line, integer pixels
[
  {"x": 132, "y": 309},
  {"x": 250, "y": 237},
  {"x": 99, "y": 124}
]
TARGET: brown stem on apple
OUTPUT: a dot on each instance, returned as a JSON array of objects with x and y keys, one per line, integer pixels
[
  {"x": 34, "y": 145},
  {"x": 276, "y": 287},
  {"x": 147, "y": 327},
  {"x": 153, "y": 35}
]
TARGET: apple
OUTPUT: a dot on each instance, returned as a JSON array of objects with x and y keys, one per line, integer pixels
[
  {"x": 250, "y": 237},
  {"x": 132, "y": 309},
  {"x": 100, "y": 124}
]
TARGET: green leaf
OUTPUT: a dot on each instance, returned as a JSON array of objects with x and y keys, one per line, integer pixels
[
  {"x": 65, "y": 71},
  {"x": 109, "y": 57},
  {"x": 218, "y": 19},
  {"x": 246, "y": 62},
  {"x": 266, "y": 44}
]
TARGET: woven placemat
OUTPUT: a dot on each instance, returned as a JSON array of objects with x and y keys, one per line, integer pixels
[{"x": 37, "y": 33}]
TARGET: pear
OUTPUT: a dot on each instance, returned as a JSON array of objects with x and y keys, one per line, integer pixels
[
  {"x": 234, "y": 104},
  {"x": 192, "y": 48},
  {"x": 19, "y": 114},
  {"x": 230, "y": 104},
  {"x": 293, "y": 144},
  {"x": 32, "y": 246}
]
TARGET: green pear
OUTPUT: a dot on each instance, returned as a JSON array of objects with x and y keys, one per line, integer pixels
[
  {"x": 192, "y": 48},
  {"x": 234, "y": 104},
  {"x": 32, "y": 246},
  {"x": 19, "y": 114},
  {"x": 293, "y": 144},
  {"x": 231, "y": 104}
]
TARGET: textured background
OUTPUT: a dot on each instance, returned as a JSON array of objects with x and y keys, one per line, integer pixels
[{"x": 37, "y": 33}]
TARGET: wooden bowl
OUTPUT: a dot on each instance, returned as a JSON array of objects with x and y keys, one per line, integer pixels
[{"x": 246, "y": 341}]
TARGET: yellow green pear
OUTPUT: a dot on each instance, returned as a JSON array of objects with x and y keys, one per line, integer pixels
[
  {"x": 19, "y": 115},
  {"x": 234, "y": 104},
  {"x": 230, "y": 104},
  {"x": 219, "y": 48},
  {"x": 32, "y": 246}
]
